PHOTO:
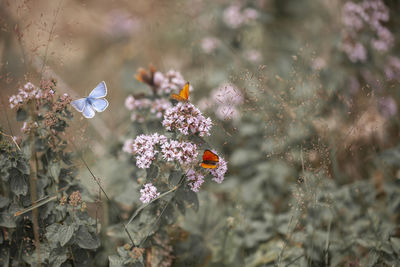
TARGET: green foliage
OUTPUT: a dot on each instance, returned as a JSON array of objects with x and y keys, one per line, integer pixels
[{"x": 66, "y": 233}]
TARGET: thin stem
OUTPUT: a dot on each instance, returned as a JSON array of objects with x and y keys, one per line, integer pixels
[
  {"x": 49, "y": 40},
  {"x": 147, "y": 204},
  {"x": 90, "y": 171},
  {"x": 12, "y": 138},
  {"x": 33, "y": 178}
]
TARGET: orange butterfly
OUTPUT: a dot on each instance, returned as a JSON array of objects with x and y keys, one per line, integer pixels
[
  {"x": 183, "y": 94},
  {"x": 210, "y": 160},
  {"x": 146, "y": 77}
]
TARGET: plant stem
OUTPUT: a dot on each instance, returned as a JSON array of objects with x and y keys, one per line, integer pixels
[
  {"x": 145, "y": 205},
  {"x": 32, "y": 180}
]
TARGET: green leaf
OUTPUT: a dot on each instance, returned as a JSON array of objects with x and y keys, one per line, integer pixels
[
  {"x": 116, "y": 261},
  {"x": 65, "y": 233},
  {"x": 3, "y": 202},
  {"x": 85, "y": 239},
  {"x": 395, "y": 242},
  {"x": 174, "y": 178},
  {"x": 152, "y": 172},
  {"x": 58, "y": 256},
  {"x": 23, "y": 166},
  {"x": 52, "y": 233},
  {"x": 54, "y": 169},
  {"x": 17, "y": 182},
  {"x": 7, "y": 220},
  {"x": 187, "y": 195}
]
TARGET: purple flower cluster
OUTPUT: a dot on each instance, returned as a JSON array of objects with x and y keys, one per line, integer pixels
[
  {"x": 234, "y": 16},
  {"x": 187, "y": 119},
  {"x": 144, "y": 148},
  {"x": 157, "y": 107},
  {"x": 148, "y": 193},
  {"x": 219, "y": 172},
  {"x": 27, "y": 93},
  {"x": 183, "y": 152},
  {"x": 195, "y": 180},
  {"x": 367, "y": 15}
]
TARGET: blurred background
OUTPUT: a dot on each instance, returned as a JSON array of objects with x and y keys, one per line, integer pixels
[{"x": 304, "y": 99}]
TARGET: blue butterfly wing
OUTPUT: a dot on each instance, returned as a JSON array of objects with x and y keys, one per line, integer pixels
[
  {"x": 79, "y": 104},
  {"x": 99, "y": 91},
  {"x": 99, "y": 105},
  {"x": 88, "y": 111}
]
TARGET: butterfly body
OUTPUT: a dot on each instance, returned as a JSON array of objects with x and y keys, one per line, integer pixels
[
  {"x": 210, "y": 160},
  {"x": 92, "y": 103},
  {"x": 183, "y": 94}
]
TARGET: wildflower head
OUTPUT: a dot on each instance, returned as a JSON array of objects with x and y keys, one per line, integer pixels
[
  {"x": 195, "y": 180},
  {"x": 183, "y": 152},
  {"x": 148, "y": 193},
  {"x": 75, "y": 198},
  {"x": 144, "y": 148},
  {"x": 219, "y": 172},
  {"x": 187, "y": 119}
]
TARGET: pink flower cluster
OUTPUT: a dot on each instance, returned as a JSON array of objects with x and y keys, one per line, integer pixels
[
  {"x": 183, "y": 152},
  {"x": 219, "y": 172},
  {"x": 195, "y": 180},
  {"x": 144, "y": 148},
  {"x": 148, "y": 193},
  {"x": 172, "y": 81},
  {"x": 253, "y": 55},
  {"x": 209, "y": 44},
  {"x": 369, "y": 14},
  {"x": 392, "y": 69},
  {"x": 27, "y": 93},
  {"x": 157, "y": 107},
  {"x": 234, "y": 16},
  {"x": 186, "y": 118},
  {"x": 225, "y": 101}
]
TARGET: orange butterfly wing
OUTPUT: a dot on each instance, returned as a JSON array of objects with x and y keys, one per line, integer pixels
[
  {"x": 183, "y": 94},
  {"x": 210, "y": 160}
]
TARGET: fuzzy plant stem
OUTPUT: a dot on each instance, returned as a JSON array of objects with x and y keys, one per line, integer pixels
[{"x": 32, "y": 179}]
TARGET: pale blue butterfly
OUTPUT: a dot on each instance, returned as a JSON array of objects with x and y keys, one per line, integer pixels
[{"x": 94, "y": 102}]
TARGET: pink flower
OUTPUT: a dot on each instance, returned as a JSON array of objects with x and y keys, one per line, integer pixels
[
  {"x": 355, "y": 52},
  {"x": 388, "y": 107},
  {"x": 148, "y": 193},
  {"x": 392, "y": 69},
  {"x": 209, "y": 44},
  {"x": 171, "y": 81},
  {"x": 219, "y": 172},
  {"x": 226, "y": 98},
  {"x": 29, "y": 92},
  {"x": 143, "y": 147},
  {"x": 367, "y": 15},
  {"x": 159, "y": 106},
  {"x": 183, "y": 152},
  {"x": 195, "y": 180},
  {"x": 186, "y": 118},
  {"x": 132, "y": 103},
  {"x": 233, "y": 17},
  {"x": 128, "y": 146},
  {"x": 253, "y": 55}
]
